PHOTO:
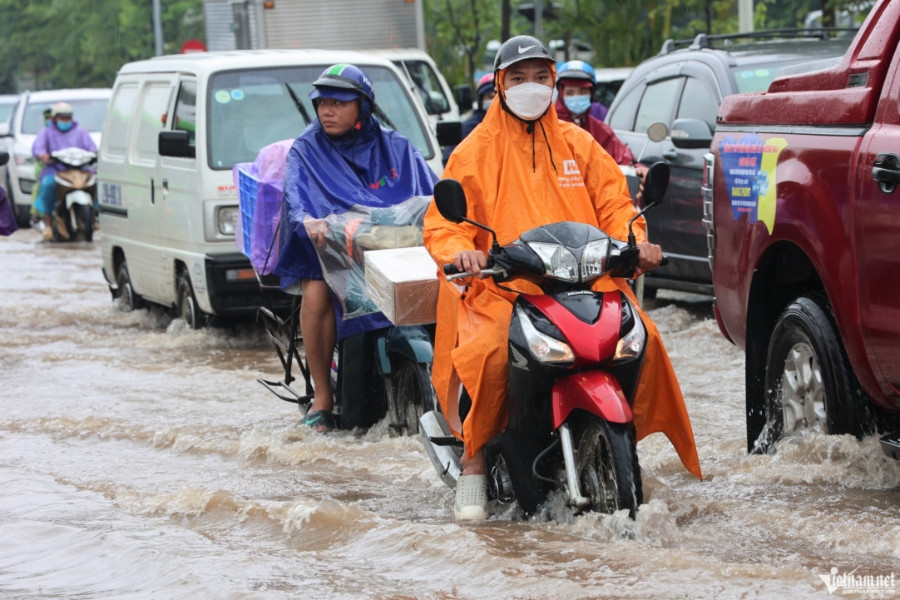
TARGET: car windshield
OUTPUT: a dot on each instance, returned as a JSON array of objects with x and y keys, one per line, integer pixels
[
  {"x": 252, "y": 109},
  {"x": 6, "y": 109},
  {"x": 756, "y": 74},
  {"x": 87, "y": 112}
]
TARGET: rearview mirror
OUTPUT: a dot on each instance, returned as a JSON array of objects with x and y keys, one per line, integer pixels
[
  {"x": 657, "y": 132},
  {"x": 4, "y": 158},
  {"x": 691, "y": 134},
  {"x": 449, "y": 133},
  {"x": 451, "y": 200},
  {"x": 656, "y": 183}
]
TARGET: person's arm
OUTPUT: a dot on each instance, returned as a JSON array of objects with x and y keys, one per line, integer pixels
[
  {"x": 39, "y": 148},
  {"x": 86, "y": 142}
]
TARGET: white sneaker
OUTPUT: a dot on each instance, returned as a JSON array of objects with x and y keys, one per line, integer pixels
[{"x": 471, "y": 498}]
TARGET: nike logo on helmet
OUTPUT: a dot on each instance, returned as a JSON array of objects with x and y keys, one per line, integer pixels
[{"x": 526, "y": 48}]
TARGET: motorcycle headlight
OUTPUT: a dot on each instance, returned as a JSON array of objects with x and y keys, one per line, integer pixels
[
  {"x": 544, "y": 348},
  {"x": 631, "y": 344},
  {"x": 559, "y": 263},
  {"x": 593, "y": 260}
]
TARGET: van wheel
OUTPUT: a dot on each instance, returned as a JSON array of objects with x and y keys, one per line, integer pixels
[
  {"x": 809, "y": 385},
  {"x": 187, "y": 303},
  {"x": 128, "y": 299}
]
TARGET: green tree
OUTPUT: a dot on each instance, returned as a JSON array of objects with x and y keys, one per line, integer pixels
[{"x": 71, "y": 43}]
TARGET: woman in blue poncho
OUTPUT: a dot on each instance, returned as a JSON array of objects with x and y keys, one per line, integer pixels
[{"x": 344, "y": 158}]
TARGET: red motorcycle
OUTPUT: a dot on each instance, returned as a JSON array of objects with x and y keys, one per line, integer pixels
[{"x": 574, "y": 360}]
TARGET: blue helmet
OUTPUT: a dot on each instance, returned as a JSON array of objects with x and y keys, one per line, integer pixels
[
  {"x": 345, "y": 82},
  {"x": 576, "y": 69}
]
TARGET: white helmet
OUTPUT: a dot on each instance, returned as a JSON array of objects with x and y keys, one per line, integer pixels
[{"x": 61, "y": 109}]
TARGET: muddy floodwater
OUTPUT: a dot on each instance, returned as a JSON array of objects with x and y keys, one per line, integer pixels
[{"x": 142, "y": 460}]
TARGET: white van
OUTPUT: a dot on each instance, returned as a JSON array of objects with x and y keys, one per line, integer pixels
[{"x": 175, "y": 127}]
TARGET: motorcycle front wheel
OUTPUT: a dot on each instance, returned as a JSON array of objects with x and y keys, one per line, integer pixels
[
  {"x": 413, "y": 395},
  {"x": 607, "y": 466}
]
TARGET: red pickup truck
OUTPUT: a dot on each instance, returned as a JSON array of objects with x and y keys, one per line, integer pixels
[{"x": 802, "y": 210}]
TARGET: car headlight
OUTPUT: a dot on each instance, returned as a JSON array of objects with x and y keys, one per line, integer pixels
[
  {"x": 559, "y": 262},
  {"x": 544, "y": 348},
  {"x": 226, "y": 219},
  {"x": 24, "y": 160}
]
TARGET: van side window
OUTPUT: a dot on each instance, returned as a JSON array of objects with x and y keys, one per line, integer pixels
[
  {"x": 154, "y": 101},
  {"x": 186, "y": 110},
  {"x": 119, "y": 119}
]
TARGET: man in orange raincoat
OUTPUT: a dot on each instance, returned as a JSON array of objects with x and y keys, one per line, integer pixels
[{"x": 521, "y": 168}]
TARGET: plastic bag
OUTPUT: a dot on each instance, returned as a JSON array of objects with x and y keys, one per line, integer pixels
[{"x": 350, "y": 234}]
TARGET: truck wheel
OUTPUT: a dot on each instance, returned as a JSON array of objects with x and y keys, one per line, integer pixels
[
  {"x": 809, "y": 386},
  {"x": 128, "y": 299},
  {"x": 607, "y": 465},
  {"x": 187, "y": 303},
  {"x": 413, "y": 395}
]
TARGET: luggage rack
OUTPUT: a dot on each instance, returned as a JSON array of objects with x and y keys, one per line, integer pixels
[{"x": 283, "y": 333}]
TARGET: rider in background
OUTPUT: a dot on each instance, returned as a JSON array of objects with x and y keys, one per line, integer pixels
[
  {"x": 575, "y": 82},
  {"x": 345, "y": 157},
  {"x": 522, "y": 168},
  {"x": 38, "y": 167},
  {"x": 63, "y": 133},
  {"x": 484, "y": 95}
]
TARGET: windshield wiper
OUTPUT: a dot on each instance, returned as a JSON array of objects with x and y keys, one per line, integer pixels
[{"x": 297, "y": 103}]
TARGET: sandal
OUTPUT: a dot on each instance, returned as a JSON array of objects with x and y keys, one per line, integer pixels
[{"x": 321, "y": 421}]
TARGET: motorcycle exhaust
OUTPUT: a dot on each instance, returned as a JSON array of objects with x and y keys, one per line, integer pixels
[{"x": 442, "y": 448}]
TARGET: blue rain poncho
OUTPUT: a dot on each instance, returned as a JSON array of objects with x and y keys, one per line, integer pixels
[{"x": 375, "y": 167}]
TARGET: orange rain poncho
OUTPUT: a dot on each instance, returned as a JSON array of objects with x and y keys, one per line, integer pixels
[{"x": 517, "y": 177}]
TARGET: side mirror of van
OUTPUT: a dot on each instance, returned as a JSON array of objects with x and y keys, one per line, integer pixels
[
  {"x": 449, "y": 133},
  {"x": 4, "y": 157},
  {"x": 176, "y": 143},
  {"x": 464, "y": 97}
]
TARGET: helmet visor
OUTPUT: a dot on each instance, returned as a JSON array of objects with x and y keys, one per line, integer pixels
[{"x": 333, "y": 93}]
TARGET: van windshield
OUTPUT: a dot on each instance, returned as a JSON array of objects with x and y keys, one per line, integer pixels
[{"x": 252, "y": 109}]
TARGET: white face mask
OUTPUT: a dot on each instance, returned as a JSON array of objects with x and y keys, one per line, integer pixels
[
  {"x": 528, "y": 101},
  {"x": 486, "y": 104}
]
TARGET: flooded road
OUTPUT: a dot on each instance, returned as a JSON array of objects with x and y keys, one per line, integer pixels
[{"x": 142, "y": 460}]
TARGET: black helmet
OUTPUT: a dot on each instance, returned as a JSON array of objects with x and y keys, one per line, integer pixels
[{"x": 521, "y": 47}]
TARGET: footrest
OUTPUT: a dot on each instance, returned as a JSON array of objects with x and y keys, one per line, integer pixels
[
  {"x": 891, "y": 445},
  {"x": 279, "y": 387}
]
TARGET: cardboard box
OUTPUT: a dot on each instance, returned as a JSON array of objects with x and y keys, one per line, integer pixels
[{"x": 403, "y": 284}]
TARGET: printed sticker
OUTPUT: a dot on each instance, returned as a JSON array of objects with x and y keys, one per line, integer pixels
[
  {"x": 223, "y": 97},
  {"x": 750, "y": 169}
]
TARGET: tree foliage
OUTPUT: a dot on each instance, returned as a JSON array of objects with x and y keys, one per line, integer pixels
[
  {"x": 621, "y": 33},
  {"x": 72, "y": 43}
]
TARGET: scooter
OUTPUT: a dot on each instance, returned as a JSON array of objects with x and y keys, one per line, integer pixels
[
  {"x": 385, "y": 371},
  {"x": 574, "y": 360},
  {"x": 76, "y": 190}
]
